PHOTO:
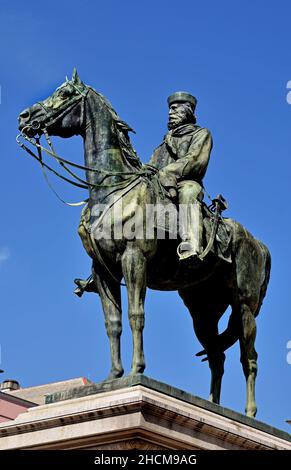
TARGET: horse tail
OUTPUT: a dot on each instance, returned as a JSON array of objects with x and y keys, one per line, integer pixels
[
  {"x": 231, "y": 334},
  {"x": 267, "y": 272}
]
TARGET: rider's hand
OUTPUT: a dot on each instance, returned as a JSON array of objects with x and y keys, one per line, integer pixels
[
  {"x": 172, "y": 193},
  {"x": 169, "y": 182}
]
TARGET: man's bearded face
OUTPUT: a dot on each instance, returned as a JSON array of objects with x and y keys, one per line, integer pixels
[{"x": 179, "y": 113}]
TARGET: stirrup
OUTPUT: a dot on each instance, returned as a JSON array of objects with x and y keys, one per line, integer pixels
[
  {"x": 185, "y": 251},
  {"x": 85, "y": 286}
]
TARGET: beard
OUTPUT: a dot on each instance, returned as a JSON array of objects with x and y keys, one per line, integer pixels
[
  {"x": 183, "y": 115},
  {"x": 177, "y": 119}
]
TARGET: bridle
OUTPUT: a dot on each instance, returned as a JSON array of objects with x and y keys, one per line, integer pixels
[
  {"x": 145, "y": 172},
  {"x": 51, "y": 117}
]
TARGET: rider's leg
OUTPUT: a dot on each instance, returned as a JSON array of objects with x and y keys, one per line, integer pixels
[{"x": 190, "y": 218}]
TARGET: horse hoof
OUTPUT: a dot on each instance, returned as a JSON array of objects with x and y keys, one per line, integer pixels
[
  {"x": 116, "y": 374},
  {"x": 251, "y": 413},
  {"x": 137, "y": 370}
]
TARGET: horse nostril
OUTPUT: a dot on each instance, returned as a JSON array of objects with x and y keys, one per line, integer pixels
[{"x": 25, "y": 114}]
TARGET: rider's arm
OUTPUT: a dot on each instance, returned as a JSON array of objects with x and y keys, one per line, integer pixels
[{"x": 193, "y": 165}]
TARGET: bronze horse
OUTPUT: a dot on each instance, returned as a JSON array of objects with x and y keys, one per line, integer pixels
[{"x": 113, "y": 170}]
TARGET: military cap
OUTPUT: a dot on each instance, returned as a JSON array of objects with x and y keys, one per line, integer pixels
[{"x": 182, "y": 97}]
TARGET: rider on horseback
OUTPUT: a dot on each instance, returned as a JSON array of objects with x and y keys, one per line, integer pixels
[{"x": 182, "y": 159}]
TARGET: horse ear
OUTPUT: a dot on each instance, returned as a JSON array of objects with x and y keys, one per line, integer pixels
[{"x": 75, "y": 77}]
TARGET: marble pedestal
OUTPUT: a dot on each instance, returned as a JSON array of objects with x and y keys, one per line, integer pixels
[{"x": 136, "y": 413}]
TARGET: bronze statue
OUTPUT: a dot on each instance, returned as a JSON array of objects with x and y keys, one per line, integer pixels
[
  {"x": 182, "y": 159},
  {"x": 235, "y": 269}
]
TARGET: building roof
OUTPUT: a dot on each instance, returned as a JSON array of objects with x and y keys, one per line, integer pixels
[
  {"x": 11, "y": 407},
  {"x": 37, "y": 394}
]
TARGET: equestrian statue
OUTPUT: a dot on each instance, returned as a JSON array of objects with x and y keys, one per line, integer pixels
[{"x": 213, "y": 262}]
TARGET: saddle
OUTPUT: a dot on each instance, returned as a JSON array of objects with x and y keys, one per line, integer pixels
[
  {"x": 217, "y": 233},
  {"x": 223, "y": 234}
]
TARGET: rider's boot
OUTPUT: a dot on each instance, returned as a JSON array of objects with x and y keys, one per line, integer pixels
[
  {"x": 83, "y": 285},
  {"x": 191, "y": 233}
]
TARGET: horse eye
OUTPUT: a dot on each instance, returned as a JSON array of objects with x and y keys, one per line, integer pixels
[{"x": 65, "y": 93}]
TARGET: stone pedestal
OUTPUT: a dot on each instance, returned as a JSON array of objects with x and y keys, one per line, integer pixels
[{"x": 135, "y": 413}]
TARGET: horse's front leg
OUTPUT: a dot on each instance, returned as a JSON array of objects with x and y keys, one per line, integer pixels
[
  {"x": 109, "y": 291},
  {"x": 134, "y": 272}
]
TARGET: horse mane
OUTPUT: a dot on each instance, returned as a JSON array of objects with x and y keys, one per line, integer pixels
[{"x": 122, "y": 129}]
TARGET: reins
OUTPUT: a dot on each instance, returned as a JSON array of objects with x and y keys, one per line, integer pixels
[
  {"x": 74, "y": 179},
  {"x": 133, "y": 177}
]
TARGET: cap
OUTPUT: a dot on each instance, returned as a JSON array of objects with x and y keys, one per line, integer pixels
[{"x": 182, "y": 97}]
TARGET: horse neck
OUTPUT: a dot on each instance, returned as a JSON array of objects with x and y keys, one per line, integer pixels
[{"x": 102, "y": 147}]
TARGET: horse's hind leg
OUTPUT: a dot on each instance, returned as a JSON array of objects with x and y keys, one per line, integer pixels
[
  {"x": 206, "y": 311},
  {"x": 250, "y": 270},
  {"x": 134, "y": 271},
  {"x": 109, "y": 291},
  {"x": 216, "y": 359},
  {"x": 249, "y": 356}
]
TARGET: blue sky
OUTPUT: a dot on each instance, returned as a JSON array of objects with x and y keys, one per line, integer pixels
[{"x": 235, "y": 57}]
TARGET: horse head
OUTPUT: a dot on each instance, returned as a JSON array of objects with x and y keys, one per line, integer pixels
[{"x": 60, "y": 114}]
